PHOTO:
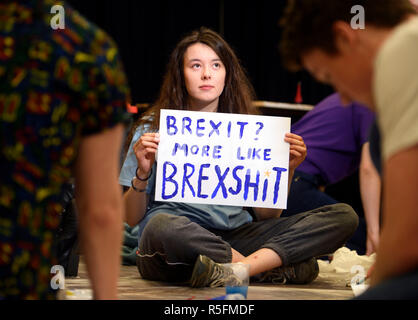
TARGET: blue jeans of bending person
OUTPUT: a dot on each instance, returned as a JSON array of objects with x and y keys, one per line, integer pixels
[
  {"x": 401, "y": 287},
  {"x": 170, "y": 244},
  {"x": 304, "y": 195}
]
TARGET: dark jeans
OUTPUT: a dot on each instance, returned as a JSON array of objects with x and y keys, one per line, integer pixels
[
  {"x": 170, "y": 244},
  {"x": 304, "y": 195},
  {"x": 404, "y": 287}
]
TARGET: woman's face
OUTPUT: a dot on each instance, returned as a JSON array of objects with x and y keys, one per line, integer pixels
[{"x": 204, "y": 75}]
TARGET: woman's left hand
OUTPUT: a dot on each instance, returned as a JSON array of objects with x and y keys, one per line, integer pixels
[{"x": 298, "y": 150}]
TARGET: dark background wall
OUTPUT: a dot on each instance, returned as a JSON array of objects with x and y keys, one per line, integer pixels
[{"x": 147, "y": 31}]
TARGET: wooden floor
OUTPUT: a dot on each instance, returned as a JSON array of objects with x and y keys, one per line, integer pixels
[{"x": 328, "y": 286}]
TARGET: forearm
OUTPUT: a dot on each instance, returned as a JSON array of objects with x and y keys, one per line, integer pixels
[
  {"x": 135, "y": 204},
  {"x": 370, "y": 190},
  {"x": 396, "y": 254},
  {"x": 100, "y": 206},
  {"x": 289, "y": 182},
  {"x": 101, "y": 240},
  {"x": 398, "y": 249}
]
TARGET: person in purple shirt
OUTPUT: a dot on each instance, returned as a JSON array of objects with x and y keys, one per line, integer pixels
[{"x": 337, "y": 141}]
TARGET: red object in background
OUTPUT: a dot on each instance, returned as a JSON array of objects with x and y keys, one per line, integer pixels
[
  {"x": 298, "y": 98},
  {"x": 131, "y": 108}
]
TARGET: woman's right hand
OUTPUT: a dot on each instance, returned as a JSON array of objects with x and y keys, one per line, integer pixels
[{"x": 145, "y": 149}]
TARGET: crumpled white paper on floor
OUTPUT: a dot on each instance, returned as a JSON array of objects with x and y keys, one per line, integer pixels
[{"x": 348, "y": 261}]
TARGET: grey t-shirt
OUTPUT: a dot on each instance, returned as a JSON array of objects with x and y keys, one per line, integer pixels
[{"x": 209, "y": 216}]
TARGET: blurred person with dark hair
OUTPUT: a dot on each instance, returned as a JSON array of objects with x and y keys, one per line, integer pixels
[{"x": 375, "y": 66}]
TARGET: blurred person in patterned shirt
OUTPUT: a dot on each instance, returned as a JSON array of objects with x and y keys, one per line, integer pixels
[{"x": 63, "y": 95}]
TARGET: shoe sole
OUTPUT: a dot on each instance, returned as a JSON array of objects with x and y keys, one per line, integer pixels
[{"x": 199, "y": 274}]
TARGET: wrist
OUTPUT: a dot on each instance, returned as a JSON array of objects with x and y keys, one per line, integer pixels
[
  {"x": 141, "y": 176},
  {"x": 138, "y": 185},
  {"x": 372, "y": 233}
]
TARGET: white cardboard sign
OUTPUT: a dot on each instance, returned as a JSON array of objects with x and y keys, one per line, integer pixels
[{"x": 226, "y": 159}]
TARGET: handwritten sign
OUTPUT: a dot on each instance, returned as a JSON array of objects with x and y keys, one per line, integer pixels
[{"x": 218, "y": 158}]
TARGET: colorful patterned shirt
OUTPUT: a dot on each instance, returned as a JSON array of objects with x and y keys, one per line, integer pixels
[{"x": 56, "y": 86}]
